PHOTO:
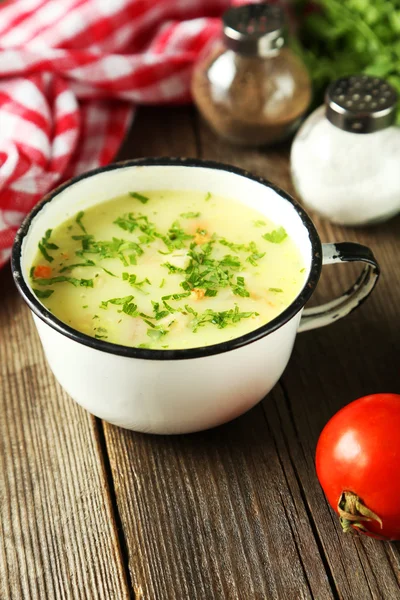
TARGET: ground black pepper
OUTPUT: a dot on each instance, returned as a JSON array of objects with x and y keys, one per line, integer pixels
[{"x": 251, "y": 100}]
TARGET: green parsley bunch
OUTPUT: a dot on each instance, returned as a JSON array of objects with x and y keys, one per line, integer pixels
[{"x": 345, "y": 37}]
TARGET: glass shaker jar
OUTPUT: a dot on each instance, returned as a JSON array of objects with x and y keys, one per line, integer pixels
[
  {"x": 345, "y": 158},
  {"x": 251, "y": 87}
]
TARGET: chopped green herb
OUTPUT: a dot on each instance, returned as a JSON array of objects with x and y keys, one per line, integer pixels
[
  {"x": 163, "y": 282},
  {"x": 190, "y": 310},
  {"x": 132, "y": 280},
  {"x": 176, "y": 296},
  {"x": 108, "y": 272},
  {"x": 252, "y": 259},
  {"x": 45, "y": 240},
  {"x": 88, "y": 263},
  {"x": 78, "y": 220},
  {"x": 116, "y": 301},
  {"x": 43, "y": 250},
  {"x": 43, "y": 293},
  {"x": 259, "y": 223},
  {"x": 190, "y": 215},
  {"x": 240, "y": 288},
  {"x": 31, "y": 271},
  {"x": 275, "y": 290},
  {"x": 231, "y": 261},
  {"x": 130, "y": 309},
  {"x": 211, "y": 293},
  {"x": 172, "y": 268},
  {"x": 161, "y": 314},
  {"x": 208, "y": 196},
  {"x": 176, "y": 237},
  {"x": 238, "y": 247},
  {"x": 302, "y": 270},
  {"x": 220, "y": 319},
  {"x": 156, "y": 334},
  {"x": 276, "y": 236},
  {"x": 107, "y": 249},
  {"x": 85, "y": 306},
  {"x": 63, "y": 278},
  {"x": 140, "y": 197},
  {"x": 101, "y": 333}
]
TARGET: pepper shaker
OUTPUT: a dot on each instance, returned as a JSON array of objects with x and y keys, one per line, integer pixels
[
  {"x": 345, "y": 159},
  {"x": 250, "y": 87}
]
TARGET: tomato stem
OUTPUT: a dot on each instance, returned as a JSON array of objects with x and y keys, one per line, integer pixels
[{"x": 353, "y": 513}]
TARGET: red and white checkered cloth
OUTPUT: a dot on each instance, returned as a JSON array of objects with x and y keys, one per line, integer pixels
[{"x": 71, "y": 72}]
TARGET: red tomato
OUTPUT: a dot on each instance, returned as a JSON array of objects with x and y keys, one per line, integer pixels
[{"x": 358, "y": 463}]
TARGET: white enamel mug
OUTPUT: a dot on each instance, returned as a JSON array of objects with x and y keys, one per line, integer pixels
[{"x": 180, "y": 391}]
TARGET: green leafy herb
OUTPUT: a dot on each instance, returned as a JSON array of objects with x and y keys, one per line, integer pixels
[
  {"x": 78, "y": 220},
  {"x": 108, "y": 272},
  {"x": 342, "y": 38},
  {"x": 155, "y": 334},
  {"x": 302, "y": 270},
  {"x": 163, "y": 282},
  {"x": 88, "y": 263},
  {"x": 63, "y": 278},
  {"x": 85, "y": 306},
  {"x": 176, "y": 296},
  {"x": 236, "y": 247},
  {"x": 275, "y": 290},
  {"x": 101, "y": 333},
  {"x": 240, "y": 288},
  {"x": 208, "y": 196},
  {"x": 176, "y": 237},
  {"x": 43, "y": 293},
  {"x": 220, "y": 319},
  {"x": 231, "y": 261},
  {"x": 132, "y": 280},
  {"x": 259, "y": 223},
  {"x": 276, "y": 236},
  {"x": 140, "y": 197},
  {"x": 116, "y": 301},
  {"x": 129, "y": 309},
  {"x": 254, "y": 257},
  {"x": 115, "y": 248},
  {"x": 190, "y": 215},
  {"x": 172, "y": 268},
  {"x": 44, "y": 245}
]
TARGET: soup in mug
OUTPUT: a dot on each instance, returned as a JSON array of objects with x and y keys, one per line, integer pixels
[{"x": 167, "y": 269}]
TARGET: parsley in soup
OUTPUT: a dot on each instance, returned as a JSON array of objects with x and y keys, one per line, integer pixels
[{"x": 167, "y": 269}]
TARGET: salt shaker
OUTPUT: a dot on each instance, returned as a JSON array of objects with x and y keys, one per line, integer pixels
[
  {"x": 250, "y": 87},
  {"x": 345, "y": 158}
]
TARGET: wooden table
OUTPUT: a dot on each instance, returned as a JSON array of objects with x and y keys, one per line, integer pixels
[{"x": 96, "y": 512}]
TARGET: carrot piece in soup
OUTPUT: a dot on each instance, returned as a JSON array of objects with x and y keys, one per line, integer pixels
[{"x": 42, "y": 272}]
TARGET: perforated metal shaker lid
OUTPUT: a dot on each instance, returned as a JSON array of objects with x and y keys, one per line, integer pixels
[
  {"x": 254, "y": 29},
  {"x": 361, "y": 104}
]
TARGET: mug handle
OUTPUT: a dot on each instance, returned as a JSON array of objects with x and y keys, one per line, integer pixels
[{"x": 319, "y": 316}]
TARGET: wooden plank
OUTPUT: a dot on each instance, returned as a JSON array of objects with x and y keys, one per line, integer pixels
[
  {"x": 328, "y": 369},
  {"x": 58, "y": 537},
  {"x": 217, "y": 514}
]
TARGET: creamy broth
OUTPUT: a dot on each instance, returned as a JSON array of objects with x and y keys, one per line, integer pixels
[{"x": 167, "y": 269}]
